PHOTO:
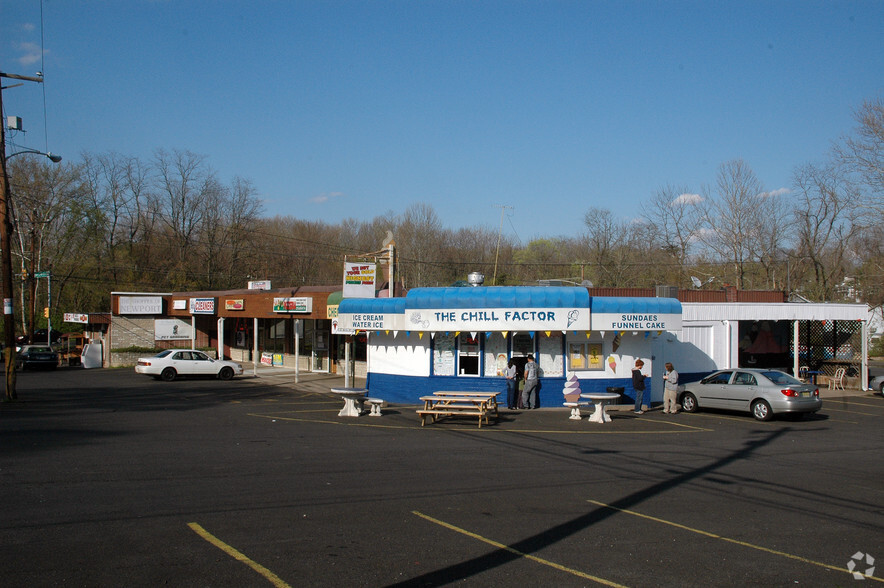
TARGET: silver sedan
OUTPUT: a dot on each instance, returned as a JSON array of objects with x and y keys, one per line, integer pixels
[{"x": 763, "y": 393}]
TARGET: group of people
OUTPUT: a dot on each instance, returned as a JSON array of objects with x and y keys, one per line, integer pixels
[
  {"x": 527, "y": 400},
  {"x": 670, "y": 387}
]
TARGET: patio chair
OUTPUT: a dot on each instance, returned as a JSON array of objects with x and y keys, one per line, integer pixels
[{"x": 837, "y": 381}]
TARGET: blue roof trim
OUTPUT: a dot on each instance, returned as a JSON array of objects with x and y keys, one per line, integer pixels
[
  {"x": 372, "y": 306},
  {"x": 623, "y": 305},
  {"x": 498, "y": 297}
]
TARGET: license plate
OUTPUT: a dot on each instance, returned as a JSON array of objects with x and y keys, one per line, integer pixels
[{"x": 805, "y": 394}]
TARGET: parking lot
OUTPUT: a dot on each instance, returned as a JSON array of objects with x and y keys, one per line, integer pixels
[{"x": 110, "y": 479}]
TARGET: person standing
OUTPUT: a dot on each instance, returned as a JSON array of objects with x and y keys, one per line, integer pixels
[
  {"x": 529, "y": 394},
  {"x": 638, "y": 384},
  {"x": 510, "y": 373},
  {"x": 670, "y": 390}
]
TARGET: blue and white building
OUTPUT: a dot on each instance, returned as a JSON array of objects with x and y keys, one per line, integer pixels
[{"x": 461, "y": 339}]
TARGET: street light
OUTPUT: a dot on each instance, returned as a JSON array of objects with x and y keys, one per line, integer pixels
[{"x": 52, "y": 156}]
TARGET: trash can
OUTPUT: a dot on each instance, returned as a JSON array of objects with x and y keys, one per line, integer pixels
[{"x": 618, "y": 390}]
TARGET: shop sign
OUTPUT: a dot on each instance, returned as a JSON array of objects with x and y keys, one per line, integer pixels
[
  {"x": 74, "y": 317},
  {"x": 171, "y": 330},
  {"x": 299, "y": 304},
  {"x": 359, "y": 280},
  {"x": 237, "y": 304},
  {"x": 636, "y": 322},
  {"x": 202, "y": 306},
  {"x": 500, "y": 319},
  {"x": 331, "y": 311},
  {"x": 141, "y": 304},
  {"x": 338, "y": 329},
  {"x": 259, "y": 285},
  {"x": 266, "y": 358},
  {"x": 179, "y": 305}
]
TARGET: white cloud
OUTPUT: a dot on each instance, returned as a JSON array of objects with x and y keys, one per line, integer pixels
[
  {"x": 326, "y": 197},
  {"x": 685, "y": 199},
  {"x": 31, "y": 53},
  {"x": 777, "y": 192}
]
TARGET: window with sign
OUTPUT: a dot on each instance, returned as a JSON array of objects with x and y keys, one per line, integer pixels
[{"x": 585, "y": 356}]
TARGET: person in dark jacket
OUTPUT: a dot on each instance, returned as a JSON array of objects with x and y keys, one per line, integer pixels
[{"x": 638, "y": 384}]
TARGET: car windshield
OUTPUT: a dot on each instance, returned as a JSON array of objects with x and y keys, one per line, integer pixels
[
  {"x": 781, "y": 378},
  {"x": 33, "y": 349},
  {"x": 164, "y": 353}
]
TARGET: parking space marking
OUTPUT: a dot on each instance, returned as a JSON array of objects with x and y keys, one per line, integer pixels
[
  {"x": 533, "y": 558},
  {"x": 239, "y": 556},
  {"x": 728, "y": 539}
]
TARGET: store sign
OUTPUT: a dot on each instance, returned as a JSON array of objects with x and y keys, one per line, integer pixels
[
  {"x": 636, "y": 322},
  {"x": 370, "y": 322},
  {"x": 202, "y": 306},
  {"x": 171, "y": 330},
  {"x": 238, "y": 304},
  {"x": 259, "y": 285},
  {"x": 338, "y": 329},
  {"x": 73, "y": 317},
  {"x": 179, "y": 305},
  {"x": 299, "y": 304},
  {"x": 499, "y": 319},
  {"x": 359, "y": 280},
  {"x": 141, "y": 305}
]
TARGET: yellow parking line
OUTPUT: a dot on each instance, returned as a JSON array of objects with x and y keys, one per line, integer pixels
[
  {"x": 728, "y": 539},
  {"x": 273, "y": 578},
  {"x": 534, "y": 558}
]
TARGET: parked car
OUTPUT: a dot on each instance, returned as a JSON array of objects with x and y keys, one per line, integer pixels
[
  {"x": 763, "y": 393},
  {"x": 37, "y": 356},
  {"x": 172, "y": 363},
  {"x": 877, "y": 383}
]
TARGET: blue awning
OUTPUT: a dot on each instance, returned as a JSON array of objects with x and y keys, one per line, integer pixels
[
  {"x": 498, "y": 297},
  {"x": 624, "y": 305}
]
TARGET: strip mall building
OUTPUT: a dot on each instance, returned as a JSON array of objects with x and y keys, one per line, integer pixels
[{"x": 461, "y": 338}]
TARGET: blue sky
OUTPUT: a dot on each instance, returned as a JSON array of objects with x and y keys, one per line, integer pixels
[{"x": 354, "y": 109}]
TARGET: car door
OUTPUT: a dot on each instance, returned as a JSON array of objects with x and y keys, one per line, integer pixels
[
  {"x": 742, "y": 390},
  {"x": 182, "y": 361},
  {"x": 202, "y": 365},
  {"x": 713, "y": 391}
]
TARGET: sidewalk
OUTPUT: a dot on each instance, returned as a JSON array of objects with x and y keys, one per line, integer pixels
[{"x": 322, "y": 382}]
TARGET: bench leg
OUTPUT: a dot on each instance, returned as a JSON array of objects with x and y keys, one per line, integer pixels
[{"x": 375, "y": 409}]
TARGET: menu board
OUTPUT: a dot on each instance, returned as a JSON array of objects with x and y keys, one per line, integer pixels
[
  {"x": 550, "y": 354},
  {"x": 443, "y": 355}
]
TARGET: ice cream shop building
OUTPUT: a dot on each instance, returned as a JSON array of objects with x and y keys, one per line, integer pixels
[{"x": 462, "y": 338}]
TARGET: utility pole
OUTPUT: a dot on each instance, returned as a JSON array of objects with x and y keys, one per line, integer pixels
[
  {"x": 499, "y": 231},
  {"x": 6, "y": 254}
]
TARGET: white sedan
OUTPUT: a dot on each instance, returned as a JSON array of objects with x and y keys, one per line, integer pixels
[{"x": 171, "y": 363}]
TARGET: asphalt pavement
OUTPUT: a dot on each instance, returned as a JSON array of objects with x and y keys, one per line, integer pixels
[{"x": 112, "y": 479}]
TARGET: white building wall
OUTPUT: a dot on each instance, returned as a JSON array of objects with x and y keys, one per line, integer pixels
[{"x": 398, "y": 355}]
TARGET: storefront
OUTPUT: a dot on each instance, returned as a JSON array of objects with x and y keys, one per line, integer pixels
[
  {"x": 462, "y": 338},
  {"x": 282, "y": 327}
]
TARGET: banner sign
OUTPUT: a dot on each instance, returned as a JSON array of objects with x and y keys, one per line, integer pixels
[
  {"x": 171, "y": 330},
  {"x": 299, "y": 304},
  {"x": 636, "y": 322},
  {"x": 74, "y": 317},
  {"x": 499, "y": 319},
  {"x": 359, "y": 280},
  {"x": 141, "y": 305},
  {"x": 202, "y": 306},
  {"x": 238, "y": 304}
]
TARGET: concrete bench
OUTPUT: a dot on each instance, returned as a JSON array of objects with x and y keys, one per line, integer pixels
[
  {"x": 575, "y": 409},
  {"x": 376, "y": 405}
]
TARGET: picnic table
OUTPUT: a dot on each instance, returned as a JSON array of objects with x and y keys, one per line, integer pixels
[
  {"x": 353, "y": 399},
  {"x": 450, "y": 403}
]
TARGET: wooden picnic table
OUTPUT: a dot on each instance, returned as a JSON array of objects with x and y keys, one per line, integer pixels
[{"x": 449, "y": 403}]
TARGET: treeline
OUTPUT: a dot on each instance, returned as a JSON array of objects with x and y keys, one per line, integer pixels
[{"x": 111, "y": 222}]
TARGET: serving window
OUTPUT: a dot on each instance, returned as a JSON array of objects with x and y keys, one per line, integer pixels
[{"x": 468, "y": 354}]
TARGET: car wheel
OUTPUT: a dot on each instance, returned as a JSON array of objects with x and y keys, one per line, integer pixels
[
  {"x": 168, "y": 374},
  {"x": 689, "y": 402},
  {"x": 226, "y": 373},
  {"x": 761, "y": 410}
]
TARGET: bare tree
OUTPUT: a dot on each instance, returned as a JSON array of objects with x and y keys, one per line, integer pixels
[{"x": 729, "y": 214}]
